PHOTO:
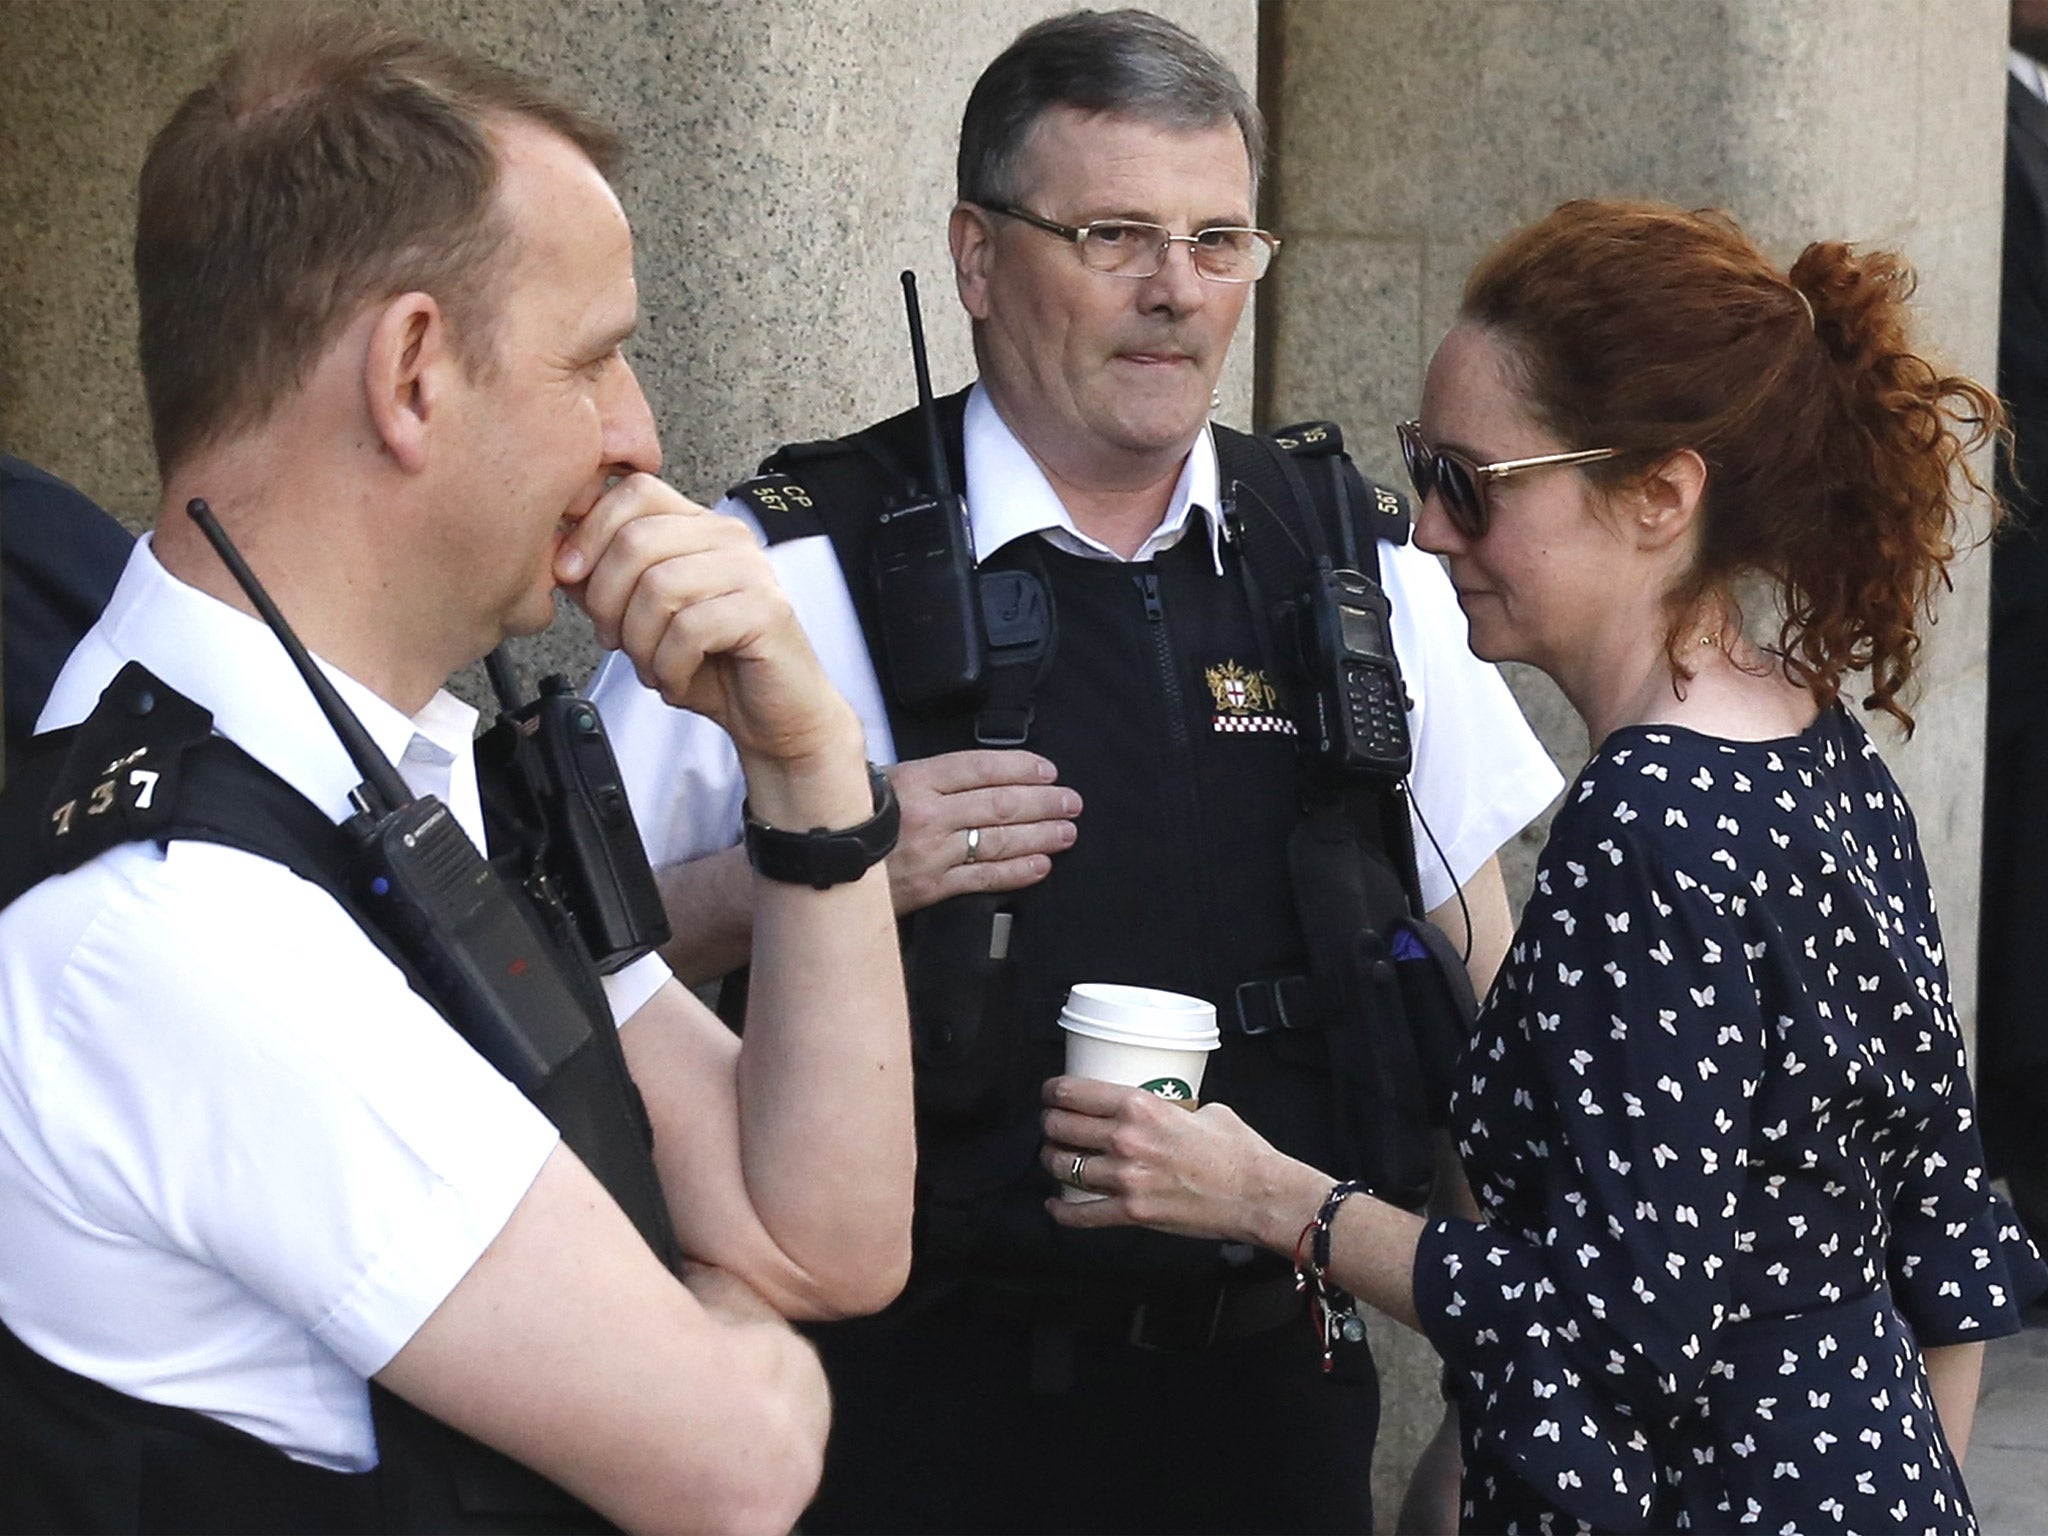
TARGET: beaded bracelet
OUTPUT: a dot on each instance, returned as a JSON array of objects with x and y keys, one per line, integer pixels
[{"x": 1334, "y": 1309}]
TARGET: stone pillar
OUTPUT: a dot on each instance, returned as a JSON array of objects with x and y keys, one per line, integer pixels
[
  {"x": 788, "y": 159},
  {"x": 1411, "y": 134}
]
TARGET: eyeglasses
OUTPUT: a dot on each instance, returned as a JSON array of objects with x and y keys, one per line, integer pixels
[
  {"x": 1223, "y": 253},
  {"x": 1462, "y": 484}
]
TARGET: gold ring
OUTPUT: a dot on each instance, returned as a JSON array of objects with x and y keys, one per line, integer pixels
[{"x": 973, "y": 846}]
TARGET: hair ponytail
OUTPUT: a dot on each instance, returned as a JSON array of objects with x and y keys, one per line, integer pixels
[{"x": 1862, "y": 571}]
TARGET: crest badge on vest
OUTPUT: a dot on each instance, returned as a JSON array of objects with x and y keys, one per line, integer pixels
[{"x": 1245, "y": 700}]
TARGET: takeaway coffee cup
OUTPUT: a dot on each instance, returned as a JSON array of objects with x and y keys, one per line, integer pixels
[{"x": 1139, "y": 1037}]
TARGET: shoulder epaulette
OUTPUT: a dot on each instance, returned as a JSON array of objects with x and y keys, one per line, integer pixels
[
  {"x": 785, "y": 510},
  {"x": 119, "y": 781},
  {"x": 1310, "y": 439},
  {"x": 1390, "y": 518}
]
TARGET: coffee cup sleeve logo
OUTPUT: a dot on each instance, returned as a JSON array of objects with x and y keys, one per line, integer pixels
[{"x": 1169, "y": 1088}]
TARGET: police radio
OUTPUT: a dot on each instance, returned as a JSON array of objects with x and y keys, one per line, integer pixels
[
  {"x": 552, "y": 754},
  {"x": 1343, "y": 625},
  {"x": 488, "y": 966},
  {"x": 928, "y": 599}
]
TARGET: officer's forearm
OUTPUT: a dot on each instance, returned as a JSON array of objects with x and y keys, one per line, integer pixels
[
  {"x": 710, "y": 903},
  {"x": 1492, "y": 928},
  {"x": 827, "y": 1143}
]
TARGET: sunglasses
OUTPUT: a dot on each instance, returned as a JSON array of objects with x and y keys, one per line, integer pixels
[{"x": 1461, "y": 485}]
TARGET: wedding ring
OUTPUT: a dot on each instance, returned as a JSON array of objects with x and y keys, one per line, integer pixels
[
  {"x": 1074, "y": 1173},
  {"x": 973, "y": 846}
]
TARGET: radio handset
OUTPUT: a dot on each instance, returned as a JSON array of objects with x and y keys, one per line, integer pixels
[
  {"x": 555, "y": 752},
  {"x": 1344, "y": 626},
  {"x": 484, "y": 959},
  {"x": 923, "y": 554}
]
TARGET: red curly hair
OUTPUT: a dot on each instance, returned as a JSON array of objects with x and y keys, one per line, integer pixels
[{"x": 1838, "y": 457}]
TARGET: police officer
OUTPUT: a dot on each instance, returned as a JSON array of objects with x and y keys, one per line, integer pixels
[
  {"x": 272, "y": 1229},
  {"x": 1115, "y": 805}
]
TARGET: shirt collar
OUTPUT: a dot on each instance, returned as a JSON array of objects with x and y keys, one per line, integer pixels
[
  {"x": 1009, "y": 496},
  {"x": 2028, "y": 71},
  {"x": 229, "y": 662}
]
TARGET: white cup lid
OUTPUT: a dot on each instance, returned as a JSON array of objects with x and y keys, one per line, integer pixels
[{"x": 1140, "y": 1016}]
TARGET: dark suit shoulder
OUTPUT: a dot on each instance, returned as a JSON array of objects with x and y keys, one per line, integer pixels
[{"x": 61, "y": 556}]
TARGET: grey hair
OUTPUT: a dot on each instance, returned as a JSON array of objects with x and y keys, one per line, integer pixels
[{"x": 1127, "y": 63}]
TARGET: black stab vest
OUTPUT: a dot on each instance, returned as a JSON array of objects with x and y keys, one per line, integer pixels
[
  {"x": 1178, "y": 878},
  {"x": 77, "y": 1455}
]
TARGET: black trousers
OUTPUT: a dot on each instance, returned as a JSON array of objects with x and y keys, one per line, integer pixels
[
  {"x": 2012, "y": 1001},
  {"x": 963, "y": 1424}
]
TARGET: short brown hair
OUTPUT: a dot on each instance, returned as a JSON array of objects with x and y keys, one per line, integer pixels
[
  {"x": 328, "y": 163},
  {"x": 1837, "y": 454},
  {"x": 1125, "y": 63}
]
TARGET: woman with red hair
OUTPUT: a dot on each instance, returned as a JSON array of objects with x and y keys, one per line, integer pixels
[{"x": 1735, "y": 1254}]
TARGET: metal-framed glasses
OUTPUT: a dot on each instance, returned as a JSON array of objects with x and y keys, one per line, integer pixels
[
  {"x": 1223, "y": 253},
  {"x": 1461, "y": 484}
]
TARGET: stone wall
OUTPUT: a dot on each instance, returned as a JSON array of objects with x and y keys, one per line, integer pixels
[{"x": 789, "y": 158}]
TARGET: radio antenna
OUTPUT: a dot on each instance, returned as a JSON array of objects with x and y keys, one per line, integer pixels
[
  {"x": 380, "y": 779},
  {"x": 934, "y": 451},
  {"x": 504, "y": 679}
]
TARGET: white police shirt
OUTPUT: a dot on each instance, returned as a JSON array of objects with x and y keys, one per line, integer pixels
[
  {"x": 240, "y": 1160},
  {"x": 1479, "y": 774}
]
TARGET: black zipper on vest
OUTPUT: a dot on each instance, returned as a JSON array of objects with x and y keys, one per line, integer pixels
[
  {"x": 1162, "y": 652},
  {"x": 1184, "y": 807}
]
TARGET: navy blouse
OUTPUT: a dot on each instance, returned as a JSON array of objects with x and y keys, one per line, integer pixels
[{"x": 1718, "y": 1115}]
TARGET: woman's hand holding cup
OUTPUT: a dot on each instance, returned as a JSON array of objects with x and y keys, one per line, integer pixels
[{"x": 1156, "y": 1164}]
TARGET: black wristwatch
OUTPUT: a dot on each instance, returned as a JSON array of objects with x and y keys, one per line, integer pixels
[{"x": 820, "y": 858}]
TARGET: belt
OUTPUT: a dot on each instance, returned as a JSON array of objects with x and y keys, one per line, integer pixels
[{"x": 1176, "y": 1322}]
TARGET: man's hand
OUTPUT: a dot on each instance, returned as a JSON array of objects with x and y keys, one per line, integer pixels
[
  {"x": 689, "y": 596},
  {"x": 1018, "y": 817}
]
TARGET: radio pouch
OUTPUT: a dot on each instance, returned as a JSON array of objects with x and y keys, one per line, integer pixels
[
  {"x": 1376, "y": 1077},
  {"x": 1437, "y": 996}
]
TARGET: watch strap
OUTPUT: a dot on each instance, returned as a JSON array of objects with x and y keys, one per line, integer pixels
[{"x": 822, "y": 858}]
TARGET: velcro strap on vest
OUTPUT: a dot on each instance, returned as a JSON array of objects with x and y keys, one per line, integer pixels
[
  {"x": 1019, "y": 634},
  {"x": 1272, "y": 1004},
  {"x": 1005, "y": 716},
  {"x": 1017, "y": 628}
]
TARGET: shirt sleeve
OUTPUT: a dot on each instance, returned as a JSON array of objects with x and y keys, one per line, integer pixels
[
  {"x": 681, "y": 774},
  {"x": 1480, "y": 775},
  {"x": 234, "y": 1073},
  {"x": 1632, "y": 1013},
  {"x": 628, "y": 989}
]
